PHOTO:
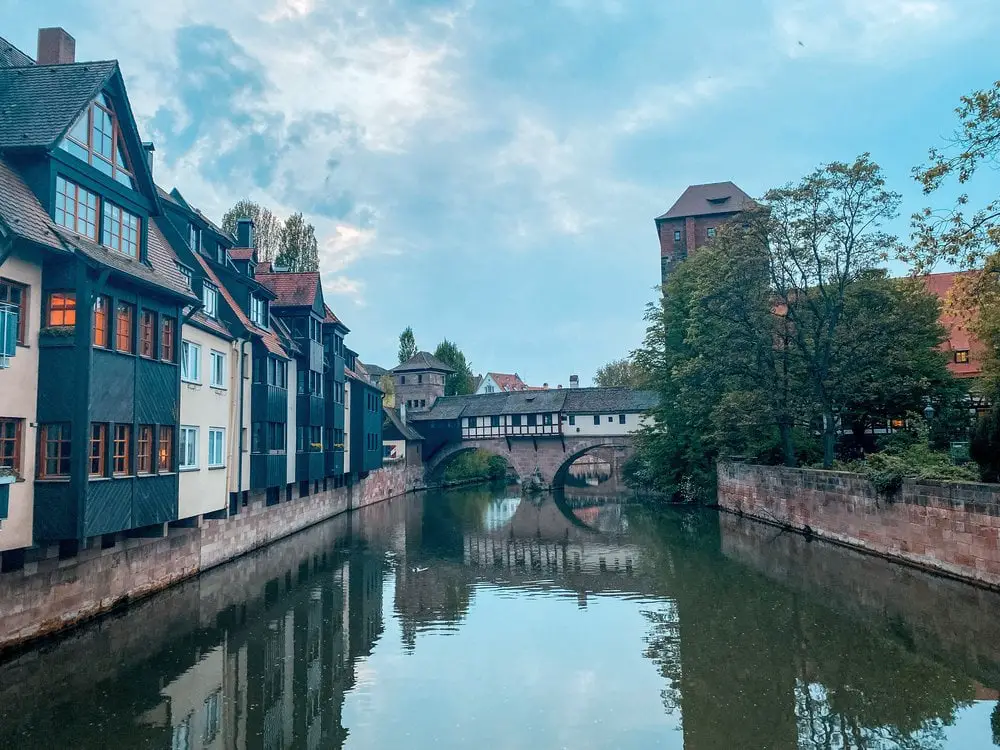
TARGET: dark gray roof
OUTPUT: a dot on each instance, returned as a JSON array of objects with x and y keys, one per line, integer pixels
[
  {"x": 556, "y": 400},
  {"x": 392, "y": 417},
  {"x": 605, "y": 400},
  {"x": 423, "y": 361},
  {"x": 41, "y": 102},
  {"x": 707, "y": 200},
  {"x": 12, "y": 57},
  {"x": 375, "y": 371},
  {"x": 449, "y": 407},
  {"x": 22, "y": 213}
]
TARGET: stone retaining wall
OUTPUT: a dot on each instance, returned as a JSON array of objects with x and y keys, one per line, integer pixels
[
  {"x": 51, "y": 595},
  {"x": 948, "y": 527}
]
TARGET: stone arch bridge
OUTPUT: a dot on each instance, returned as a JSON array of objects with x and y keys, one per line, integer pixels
[{"x": 545, "y": 457}]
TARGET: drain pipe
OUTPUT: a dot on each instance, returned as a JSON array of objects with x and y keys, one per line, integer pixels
[{"x": 239, "y": 452}]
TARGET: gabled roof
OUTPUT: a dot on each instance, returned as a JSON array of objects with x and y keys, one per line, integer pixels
[
  {"x": 39, "y": 103},
  {"x": 708, "y": 200},
  {"x": 605, "y": 400},
  {"x": 566, "y": 400},
  {"x": 12, "y": 57},
  {"x": 508, "y": 382},
  {"x": 422, "y": 361},
  {"x": 392, "y": 418},
  {"x": 291, "y": 289},
  {"x": 21, "y": 212},
  {"x": 375, "y": 371}
]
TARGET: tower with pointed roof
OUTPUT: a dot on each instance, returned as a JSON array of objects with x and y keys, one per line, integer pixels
[{"x": 694, "y": 219}]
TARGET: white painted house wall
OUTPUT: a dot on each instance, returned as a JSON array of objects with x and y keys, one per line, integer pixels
[
  {"x": 489, "y": 385},
  {"x": 205, "y": 489},
  {"x": 610, "y": 424},
  {"x": 19, "y": 399}
]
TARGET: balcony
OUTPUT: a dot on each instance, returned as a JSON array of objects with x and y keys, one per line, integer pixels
[
  {"x": 310, "y": 465},
  {"x": 334, "y": 462},
  {"x": 268, "y": 470},
  {"x": 268, "y": 403}
]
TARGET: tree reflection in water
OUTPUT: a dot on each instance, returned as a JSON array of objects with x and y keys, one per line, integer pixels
[{"x": 761, "y": 641}]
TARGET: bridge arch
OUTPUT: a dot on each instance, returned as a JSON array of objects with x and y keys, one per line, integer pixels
[
  {"x": 546, "y": 458},
  {"x": 435, "y": 466}
]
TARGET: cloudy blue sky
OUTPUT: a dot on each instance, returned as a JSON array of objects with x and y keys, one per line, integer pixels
[{"x": 489, "y": 170}]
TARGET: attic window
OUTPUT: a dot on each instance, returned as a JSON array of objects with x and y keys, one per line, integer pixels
[
  {"x": 96, "y": 139},
  {"x": 718, "y": 201}
]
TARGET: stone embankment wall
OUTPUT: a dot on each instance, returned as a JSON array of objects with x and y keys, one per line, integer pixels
[
  {"x": 52, "y": 594},
  {"x": 948, "y": 527}
]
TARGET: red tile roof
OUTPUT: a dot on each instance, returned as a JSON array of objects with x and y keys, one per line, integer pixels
[
  {"x": 291, "y": 289},
  {"x": 268, "y": 338},
  {"x": 264, "y": 267},
  {"x": 330, "y": 317},
  {"x": 956, "y": 322},
  {"x": 508, "y": 383},
  {"x": 241, "y": 253}
]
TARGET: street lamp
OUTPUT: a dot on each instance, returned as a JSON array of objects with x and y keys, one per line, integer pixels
[{"x": 928, "y": 409}]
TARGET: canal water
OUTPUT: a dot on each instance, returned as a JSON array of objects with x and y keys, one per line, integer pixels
[{"x": 479, "y": 619}]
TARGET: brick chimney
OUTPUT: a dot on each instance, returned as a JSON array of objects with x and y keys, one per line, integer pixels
[
  {"x": 574, "y": 381},
  {"x": 55, "y": 47}
]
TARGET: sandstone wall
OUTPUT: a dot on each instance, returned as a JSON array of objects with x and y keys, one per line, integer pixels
[
  {"x": 948, "y": 527},
  {"x": 52, "y": 594}
]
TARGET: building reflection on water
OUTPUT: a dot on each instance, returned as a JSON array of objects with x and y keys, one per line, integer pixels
[{"x": 761, "y": 640}]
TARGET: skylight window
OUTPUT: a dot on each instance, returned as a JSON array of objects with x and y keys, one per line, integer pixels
[{"x": 96, "y": 139}]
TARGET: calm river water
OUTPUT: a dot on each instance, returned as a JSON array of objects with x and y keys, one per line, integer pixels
[{"x": 477, "y": 619}]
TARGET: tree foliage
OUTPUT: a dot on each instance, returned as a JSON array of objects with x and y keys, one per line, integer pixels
[
  {"x": 407, "y": 345},
  {"x": 458, "y": 383},
  {"x": 267, "y": 228},
  {"x": 622, "y": 373},
  {"x": 782, "y": 333},
  {"x": 964, "y": 234},
  {"x": 298, "y": 249}
]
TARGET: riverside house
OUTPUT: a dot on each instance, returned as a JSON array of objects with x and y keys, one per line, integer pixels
[{"x": 159, "y": 372}]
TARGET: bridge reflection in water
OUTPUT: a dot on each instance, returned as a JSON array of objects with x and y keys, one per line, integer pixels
[{"x": 592, "y": 623}]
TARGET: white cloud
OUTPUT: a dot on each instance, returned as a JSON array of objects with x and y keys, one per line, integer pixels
[{"x": 859, "y": 29}]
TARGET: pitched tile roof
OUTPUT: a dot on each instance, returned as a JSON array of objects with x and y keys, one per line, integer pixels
[
  {"x": 392, "y": 418},
  {"x": 508, "y": 382},
  {"x": 12, "y": 57},
  {"x": 707, "y": 200},
  {"x": 263, "y": 267},
  {"x": 568, "y": 400},
  {"x": 956, "y": 322},
  {"x": 41, "y": 102},
  {"x": 376, "y": 371},
  {"x": 595, "y": 400},
  {"x": 330, "y": 317},
  {"x": 241, "y": 253},
  {"x": 291, "y": 289},
  {"x": 423, "y": 361},
  {"x": 160, "y": 268},
  {"x": 268, "y": 338},
  {"x": 22, "y": 213}
]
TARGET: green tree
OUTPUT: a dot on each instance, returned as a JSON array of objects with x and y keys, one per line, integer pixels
[
  {"x": 388, "y": 385},
  {"x": 622, "y": 373},
  {"x": 267, "y": 228},
  {"x": 820, "y": 236},
  {"x": 298, "y": 249},
  {"x": 407, "y": 345},
  {"x": 966, "y": 234},
  {"x": 458, "y": 383}
]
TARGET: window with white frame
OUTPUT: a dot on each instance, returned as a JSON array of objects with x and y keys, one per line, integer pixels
[
  {"x": 189, "y": 448},
  {"x": 218, "y": 371},
  {"x": 258, "y": 311},
  {"x": 210, "y": 296},
  {"x": 190, "y": 362},
  {"x": 216, "y": 447},
  {"x": 194, "y": 237}
]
